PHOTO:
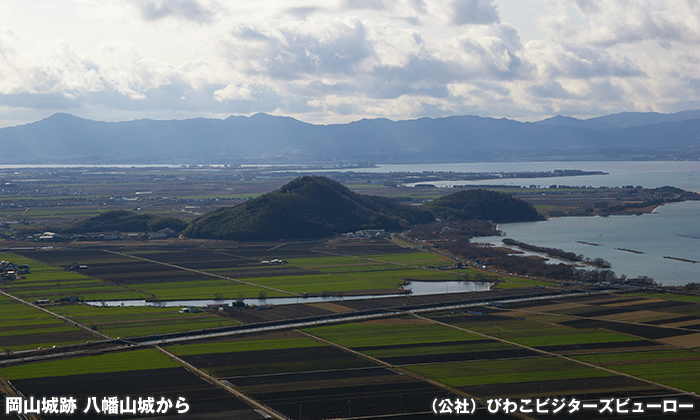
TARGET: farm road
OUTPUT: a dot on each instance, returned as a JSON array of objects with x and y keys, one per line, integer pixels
[
  {"x": 55, "y": 315},
  {"x": 561, "y": 356},
  {"x": 202, "y": 272},
  {"x": 268, "y": 412},
  {"x": 404, "y": 372}
]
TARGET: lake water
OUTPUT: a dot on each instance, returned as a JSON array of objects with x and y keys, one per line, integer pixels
[
  {"x": 672, "y": 231},
  {"x": 681, "y": 174}
]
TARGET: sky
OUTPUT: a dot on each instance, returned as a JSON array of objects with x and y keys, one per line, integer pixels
[{"x": 336, "y": 61}]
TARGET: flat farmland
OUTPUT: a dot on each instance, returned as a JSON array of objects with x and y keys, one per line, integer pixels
[
  {"x": 444, "y": 352},
  {"x": 419, "y": 259},
  {"x": 132, "y": 321},
  {"x": 223, "y": 263},
  {"x": 295, "y": 374},
  {"x": 525, "y": 369},
  {"x": 477, "y": 365},
  {"x": 677, "y": 368},
  {"x": 47, "y": 281},
  {"x": 120, "y": 277},
  {"x": 267, "y": 354},
  {"x": 390, "y": 331},
  {"x": 537, "y": 334},
  {"x": 373, "y": 247},
  {"x": 139, "y": 373},
  {"x": 666, "y": 320},
  {"x": 137, "y": 271},
  {"x": 66, "y": 257},
  {"x": 337, "y": 264},
  {"x": 23, "y": 327},
  {"x": 319, "y": 283},
  {"x": 206, "y": 289}
]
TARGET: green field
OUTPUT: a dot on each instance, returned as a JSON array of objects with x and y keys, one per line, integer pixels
[
  {"x": 677, "y": 368},
  {"x": 421, "y": 259},
  {"x": 23, "y": 327},
  {"x": 205, "y": 289},
  {"x": 644, "y": 356},
  {"x": 243, "y": 345},
  {"x": 666, "y": 296},
  {"x": 47, "y": 281},
  {"x": 111, "y": 362},
  {"x": 485, "y": 372},
  {"x": 535, "y": 334},
  {"x": 683, "y": 375},
  {"x": 390, "y": 333},
  {"x": 133, "y": 321},
  {"x": 468, "y": 347},
  {"x": 319, "y": 283}
]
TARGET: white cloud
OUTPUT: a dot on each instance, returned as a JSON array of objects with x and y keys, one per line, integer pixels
[
  {"x": 233, "y": 92},
  {"x": 480, "y": 12},
  {"x": 194, "y": 10},
  {"x": 340, "y": 59}
]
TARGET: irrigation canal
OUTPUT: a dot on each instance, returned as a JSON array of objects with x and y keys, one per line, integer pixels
[{"x": 504, "y": 297}]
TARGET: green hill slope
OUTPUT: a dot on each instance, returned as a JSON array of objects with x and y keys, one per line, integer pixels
[
  {"x": 482, "y": 205},
  {"x": 126, "y": 221},
  {"x": 308, "y": 207}
]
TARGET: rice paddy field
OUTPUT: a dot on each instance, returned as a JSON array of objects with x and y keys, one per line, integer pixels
[
  {"x": 134, "y": 374},
  {"x": 589, "y": 346},
  {"x": 204, "y": 274},
  {"x": 23, "y": 327},
  {"x": 134, "y": 321},
  {"x": 293, "y": 373},
  {"x": 53, "y": 282}
]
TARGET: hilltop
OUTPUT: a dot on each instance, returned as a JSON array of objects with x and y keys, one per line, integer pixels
[
  {"x": 307, "y": 207},
  {"x": 315, "y": 207},
  {"x": 482, "y": 205}
]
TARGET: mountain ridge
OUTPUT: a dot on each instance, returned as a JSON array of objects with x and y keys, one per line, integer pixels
[{"x": 264, "y": 138}]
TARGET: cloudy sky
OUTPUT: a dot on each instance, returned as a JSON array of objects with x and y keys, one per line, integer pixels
[{"x": 328, "y": 61}]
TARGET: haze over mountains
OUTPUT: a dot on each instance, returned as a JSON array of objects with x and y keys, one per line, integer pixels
[{"x": 261, "y": 138}]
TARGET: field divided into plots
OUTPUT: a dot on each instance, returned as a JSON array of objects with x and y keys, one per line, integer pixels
[
  {"x": 628, "y": 334},
  {"x": 23, "y": 327},
  {"x": 480, "y": 366},
  {"x": 234, "y": 273},
  {"x": 299, "y": 376},
  {"x": 677, "y": 368},
  {"x": 46, "y": 280},
  {"x": 134, "y": 321},
  {"x": 138, "y": 373}
]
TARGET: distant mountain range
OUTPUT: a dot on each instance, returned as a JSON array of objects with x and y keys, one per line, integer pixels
[{"x": 262, "y": 138}]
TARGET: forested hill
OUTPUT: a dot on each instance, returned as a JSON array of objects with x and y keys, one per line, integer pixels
[
  {"x": 307, "y": 207},
  {"x": 315, "y": 207},
  {"x": 126, "y": 221},
  {"x": 482, "y": 205}
]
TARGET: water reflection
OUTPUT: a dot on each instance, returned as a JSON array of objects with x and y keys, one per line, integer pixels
[{"x": 416, "y": 288}]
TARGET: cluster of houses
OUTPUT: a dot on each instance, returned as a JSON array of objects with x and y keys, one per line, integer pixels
[
  {"x": 365, "y": 234},
  {"x": 104, "y": 236},
  {"x": 273, "y": 262},
  {"x": 76, "y": 267},
  {"x": 10, "y": 271}
]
